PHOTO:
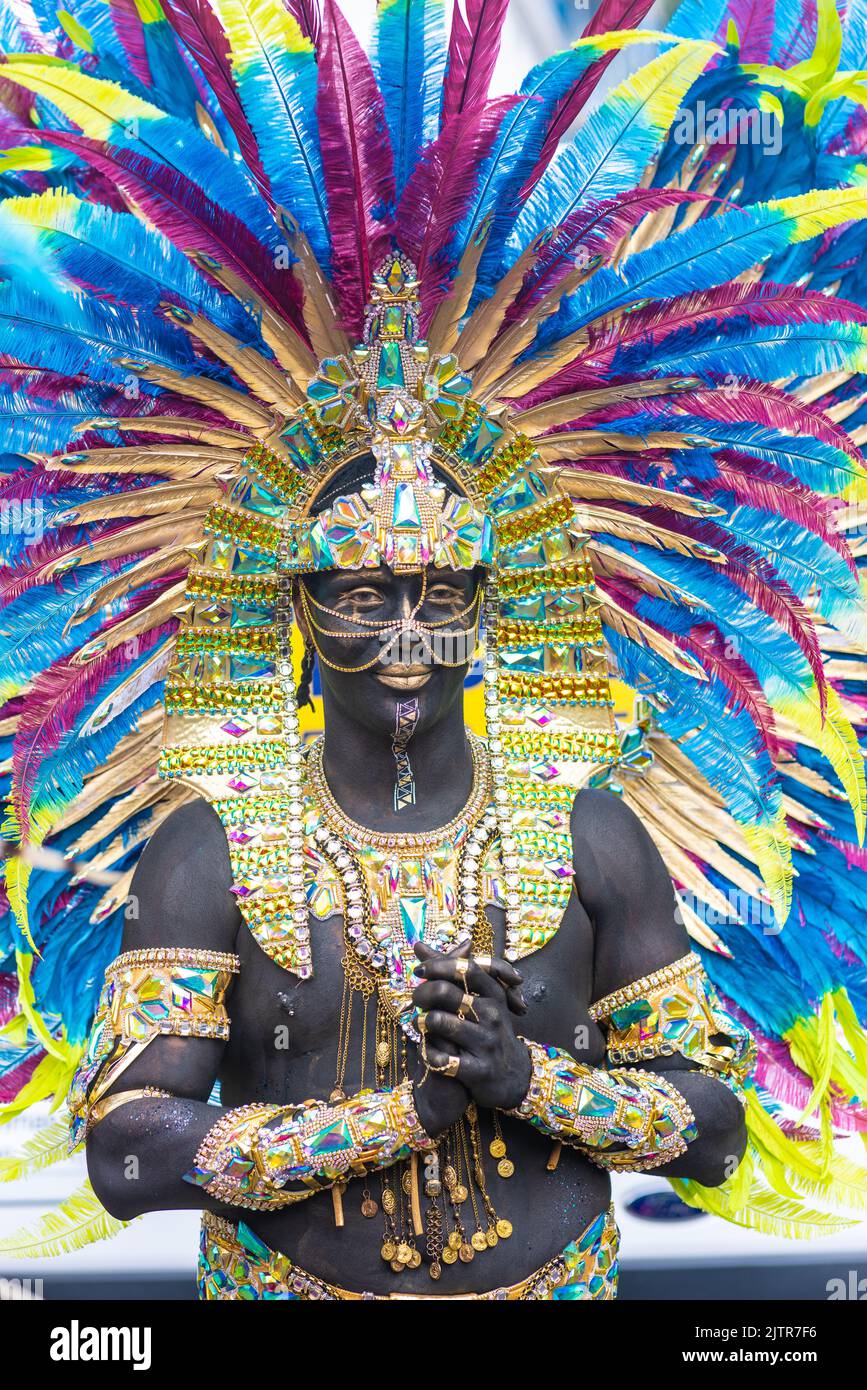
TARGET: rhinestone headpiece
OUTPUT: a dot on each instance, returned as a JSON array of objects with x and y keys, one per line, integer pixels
[{"x": 390, "y": 388}]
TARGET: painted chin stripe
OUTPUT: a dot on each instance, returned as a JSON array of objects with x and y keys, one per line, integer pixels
[{"x": 406, "y": 718}]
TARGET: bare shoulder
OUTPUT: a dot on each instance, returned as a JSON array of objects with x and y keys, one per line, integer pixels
[
  {"x": 626, "y": 890},
  {"x": 180, "y": 893},
  {"x": 606, "y": 835}
]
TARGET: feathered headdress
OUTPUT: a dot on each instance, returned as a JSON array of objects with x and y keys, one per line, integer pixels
[{"x": 657, "y": 458}]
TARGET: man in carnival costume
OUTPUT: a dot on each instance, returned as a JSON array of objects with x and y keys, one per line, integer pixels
[{"x": 408, "y": 380}]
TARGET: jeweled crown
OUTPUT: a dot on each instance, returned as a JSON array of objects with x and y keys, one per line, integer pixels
[{"x": 389, "y": 388}]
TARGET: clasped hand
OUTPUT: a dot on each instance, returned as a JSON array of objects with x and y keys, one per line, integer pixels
[{"x": 493, "y": 1063}]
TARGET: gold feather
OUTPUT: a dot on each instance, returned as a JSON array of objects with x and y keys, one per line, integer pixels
[
  {"x": 618, "y": 565},
  {"x": 147, "y": 793},
  {"x": 113, "y": 897},
  {"x": 443, "y": 331},
  {"x": 582, "y": 483},
  {"x": 175, "y": 461},
  {"x": 507, "y": 348},
  {"x": 818, "y": 386},
  {"x": 265, "y": 380},
  {"x": 145, "y": 501},
  {"x": 629, "y": 527},
  {"x": 77, "y": 1222},
  {"x": 169, "y": 424},
  {"x": 321, "y": 318},
  {"x": 165, "y": 561},
  {"x": 288, "y": 347},
  {"x": 486, "y": 320},
  {"x": 596, "y": 443},
  {"x": 142, "y": 535},
  {"x": 843, "y": 409},
  {"x": 159, "y": 611},
  {"x": 564, "y": 409},
  {"x": 234, "y": 405},
  {"x": 628, "y": 625},
  {"x": 542, "y": 366},
  {"x": 112, "y": 781}
]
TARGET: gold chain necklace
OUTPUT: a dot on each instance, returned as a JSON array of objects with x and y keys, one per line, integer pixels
[{"x": 393, "y": 894}]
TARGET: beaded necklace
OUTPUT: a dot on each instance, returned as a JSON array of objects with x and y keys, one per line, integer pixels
[{"x": 397, "y": 889}]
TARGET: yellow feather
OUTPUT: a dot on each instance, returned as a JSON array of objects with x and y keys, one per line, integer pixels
[
  {"x": 49, "y": 1145},
  {"x": 77, "y": 1222}
]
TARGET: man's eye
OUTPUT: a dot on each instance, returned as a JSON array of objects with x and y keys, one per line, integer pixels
[
  {"x": 360, "y": 598},
  {"x": 441, "y": 593}
]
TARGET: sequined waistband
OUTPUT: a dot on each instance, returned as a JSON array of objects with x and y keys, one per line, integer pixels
[{"x": 235, "y": 1263}]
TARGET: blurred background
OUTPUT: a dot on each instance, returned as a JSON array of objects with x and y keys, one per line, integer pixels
[{"x": 668, "y": 1250}]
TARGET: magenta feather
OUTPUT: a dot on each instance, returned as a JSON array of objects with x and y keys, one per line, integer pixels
[
  {"x": 357, "y": 160},
  {"x": 595, "y": 229},
  {"x": 8, "y": 983},
  {"x": 761, "y": 484},
  {"x": 130, "y": 33},
  {"x": 764, "y": 303},
  {"x": 190, "y": 219},
  {"x": 709, "y": 647},
  {"x": 754, "y": 21},
  {"x": 440, "y": 192},
  {"x": 196, "y": 26},
  {"x": 58, "y": 696},
  {"x": 760, "y": 403},
  {"x": 616, "y": 14},
  {"x": 12, "y": 1082},
  {"x": 474, "y": 46},
  {"x": 309, "y": 17}
]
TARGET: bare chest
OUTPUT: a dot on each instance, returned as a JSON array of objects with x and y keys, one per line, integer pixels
[{"x": 285, "y": 1031}]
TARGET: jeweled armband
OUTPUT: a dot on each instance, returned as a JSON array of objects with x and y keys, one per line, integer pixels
[
  {"x": 620, "y": 1119},
  {"x": 147, "y": 994},
  {"x": 676, "y": 1009},
  {"x": 252, "y": 1154}
]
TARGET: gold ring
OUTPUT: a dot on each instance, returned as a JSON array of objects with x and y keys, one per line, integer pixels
[
  {"x": 484, "y": 962},
  {"x": 462, "y": 965},
  {"x": 466, "y": 1007},
  {"x": 421, "y": 1023},
  {"x": 451, "y": 1067}
]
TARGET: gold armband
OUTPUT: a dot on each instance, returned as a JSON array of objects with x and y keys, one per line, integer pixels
[
  {"x": 252, "y": 1154},
  {"x": 676, "y": 1010},
  {"x": 176, "y": 991},
  {"x": 620, "y": 1119}
]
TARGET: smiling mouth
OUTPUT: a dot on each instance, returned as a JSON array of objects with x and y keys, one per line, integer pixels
[{"x": 404, "y": 677}]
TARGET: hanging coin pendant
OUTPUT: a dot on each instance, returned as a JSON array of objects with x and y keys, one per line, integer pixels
[
  {"x": 496, "y": 1148},
  {"x": 369, "y": 1207},
  {"x": 414, "y": 1260},
  {"x": 459, "y": 1194},
  {"x": 505, "y": 1167},
  {"x": 449, "y": 1255},
  {"x": 504, "y": 1228},
  {"x": 435, "y": 1270},
  {"x": 467, "y": 1253},
  {"x": 454, "y": 1241},
  {"x": 388, "y": 1251},
  {"x": 397, "y": 1266},
  {"x": 404, "y": 1253},
  {"x": 337, "y": 1094},
  {"x": 478, "y": 1241}
]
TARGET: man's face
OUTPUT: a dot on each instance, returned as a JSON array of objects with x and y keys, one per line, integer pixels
[{"x": 398, "y": 666}]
